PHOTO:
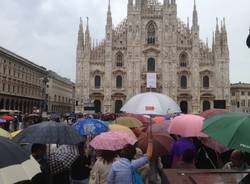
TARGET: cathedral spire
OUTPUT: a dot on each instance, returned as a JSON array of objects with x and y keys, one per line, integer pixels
[
  {"x": 87, "y": 35},
  {"x": 109, "y": 16},
  {"x": 80, "y": 34},
  {"x": 109, "y": 23},
  {"x": 195, "y": 16},
  {"x": 217, "y": 25}
]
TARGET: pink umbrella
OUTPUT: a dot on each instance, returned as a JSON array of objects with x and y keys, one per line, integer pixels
[
  {"x": 112, "y": 141},
  {"x": 187, "y": 126}
]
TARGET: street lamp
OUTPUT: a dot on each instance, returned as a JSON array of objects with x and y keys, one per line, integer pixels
[{"x": 248, "y": 39}]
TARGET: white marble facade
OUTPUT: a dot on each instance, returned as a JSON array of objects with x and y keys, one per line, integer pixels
[{"x": 152, "y": 39}]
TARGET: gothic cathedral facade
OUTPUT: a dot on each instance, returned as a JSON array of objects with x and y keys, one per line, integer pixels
[{"x": 152, "y": 39}]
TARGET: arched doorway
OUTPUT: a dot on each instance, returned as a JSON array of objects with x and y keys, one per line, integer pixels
[
  {"x": 206, "y": 105},
  {"x": 184, "y": 107},
  {"x": 118, "y": 106},
  {"x": 97, "y": 104}
]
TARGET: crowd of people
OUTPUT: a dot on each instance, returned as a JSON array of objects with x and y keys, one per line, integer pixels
[{"x": 130, "y": 164}]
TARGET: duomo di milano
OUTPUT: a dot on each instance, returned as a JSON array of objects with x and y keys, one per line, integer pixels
[{"x": 152, "y": 39}]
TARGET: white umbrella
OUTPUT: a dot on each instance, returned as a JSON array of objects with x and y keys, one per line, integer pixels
[{"x": 151, "y": 104}]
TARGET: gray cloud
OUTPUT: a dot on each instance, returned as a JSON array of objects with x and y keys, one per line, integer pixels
[{"x": 45, "y": 31}]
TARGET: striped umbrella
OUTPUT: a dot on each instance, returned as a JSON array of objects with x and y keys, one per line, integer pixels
[{"x": 15, "y": 164}]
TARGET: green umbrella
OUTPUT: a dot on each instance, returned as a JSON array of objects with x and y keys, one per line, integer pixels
[
  {"x": 128, "y": 122},
  {"x": 232, "y": 129}
]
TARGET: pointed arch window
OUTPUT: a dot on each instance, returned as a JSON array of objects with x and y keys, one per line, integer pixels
[
  {"x": 205, "y": 82},
  {"x": 119, "y": 81},
  {"x": 183, "y": 82},
  {"x": 97, "y": 81},
  {"x": 151, "y": 65},
  {"x": 119, "y": 59},
  {"x": 183, "y": 60},
  {"x": 151, "y": 33}
]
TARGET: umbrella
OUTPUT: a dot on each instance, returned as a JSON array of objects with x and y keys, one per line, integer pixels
[
  {"x": 33, "y": 116},
  {"x": 14, "y": 134},
  {"x": 161, "y": 126},
  {"x": 211, "y": 143},
  {"x": 49, "y": 133},
  {"x": 91, "y": 126},
  {"x": 7, "y": 118},
  {"x": 211, "y": 112},
  {"x": 151, "y": 104},
  {"x": 4, "y": 133},
  {"x": 187, "y": 126},
  {"x": 230, "y": 129},
  {"x": 63, "y": 158},
  {"x": 112, "y": 141},
  {"x": 120, "y": 128},
  {"x": 158, "y": 119},
  {"x": 144, "y": 120},
  {"x": 15, "y": 164},
  {"x": 2, "y": 121},
  {"x": 162, "y": 143},
  {"x": 128, "y": 122}
]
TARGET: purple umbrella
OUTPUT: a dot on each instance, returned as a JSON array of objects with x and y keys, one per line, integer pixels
[
  {"x": 2, "y": 121},
  {"x": 179, "y": 147}
]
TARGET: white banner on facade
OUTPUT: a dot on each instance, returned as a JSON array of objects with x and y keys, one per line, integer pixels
[{"x": 151, "y": 80}]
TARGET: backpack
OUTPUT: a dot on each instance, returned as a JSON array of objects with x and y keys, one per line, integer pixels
[{"x": 136, "y": 178}]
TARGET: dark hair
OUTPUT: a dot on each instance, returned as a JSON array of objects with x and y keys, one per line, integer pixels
[
  {"x": 128, "y": 152},
  {"x": 108, "y": 156},
  {"x": 37, "y": 147},
  {"x": 188, "y": 156}
]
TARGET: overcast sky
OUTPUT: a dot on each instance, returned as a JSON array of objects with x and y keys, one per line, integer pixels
[{"x": 45, "y": 31}]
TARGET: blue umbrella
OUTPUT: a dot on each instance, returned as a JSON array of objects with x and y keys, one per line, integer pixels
[{"x": 91, "y": 126}]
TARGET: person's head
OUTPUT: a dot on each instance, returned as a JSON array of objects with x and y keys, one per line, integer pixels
[
  {"x": 188, "y": 156},
  {"x": 108, "y": 156},
  {"x": 128, "y": 152},
  {"x": 38, "y": 150},
  {"x": 237, "y": 158}
]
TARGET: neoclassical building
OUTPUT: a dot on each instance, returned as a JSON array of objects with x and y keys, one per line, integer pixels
[
  {"x": 152, "y": 39},
  {"x": 60, "y": 93},
  {"x": 22, "y": 84},
  {"x": 240, "y": 97}
]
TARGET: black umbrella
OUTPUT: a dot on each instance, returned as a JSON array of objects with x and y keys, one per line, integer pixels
[
  {"x": 248, "y": 39},
  {"x": 49, "y": 133},
  {"x": 15, "y": 164}
]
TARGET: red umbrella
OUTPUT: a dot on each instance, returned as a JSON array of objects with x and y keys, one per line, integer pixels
[
  {"x": 162, "y": 143},
  {"x": 211, "y": 112},
  {"x": 158, "y": 119},
  {"x": 8, "y": 118}
]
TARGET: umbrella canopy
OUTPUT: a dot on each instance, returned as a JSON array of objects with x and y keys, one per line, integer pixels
[
  {"x": 121, "y": 128},
  {"x": 4, "y": 133},
  {"x": 211, "y": 143},
  {"x": 33, "y": 116},
  {"x": 158, "y": 119},
  {"x": 15, "y": 164},
  {"x": 49, "y": 133},
  {"x": 156, "y": 127},
  {"x": 162, "y": 143},
  {"x": 211, "y": 112},
  {"x": 230, "y": 129},
  {"x": 128, "y": 122},
  {"x": 63, "y": 158},
  {"x": 144, "y": 120},
  {"x": 181, "y": 145},
  {"x": 91, "y": 126},
  {"x": 187, "y": 126},
  {"x": 112, "y": 141},
  {"x": 2, "y": 121},
  {"x": 14, "y": 134},
  {"x": 152, "y": 104},
  {"x": 7, "y": 118}
]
